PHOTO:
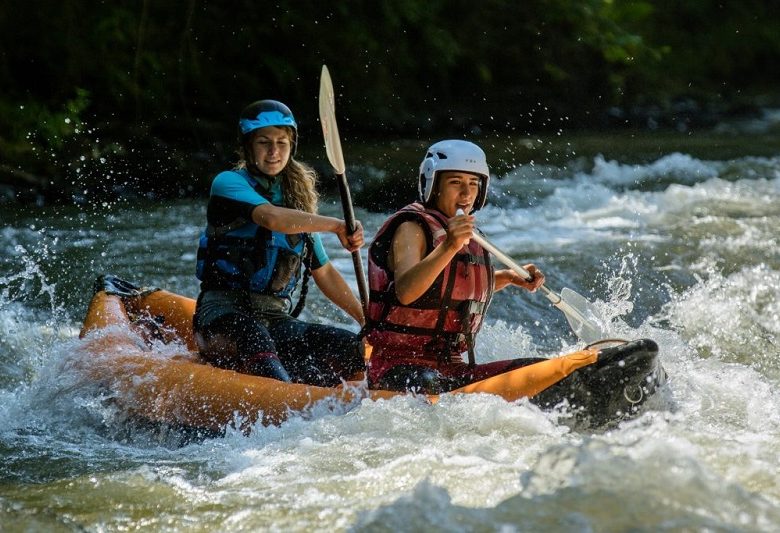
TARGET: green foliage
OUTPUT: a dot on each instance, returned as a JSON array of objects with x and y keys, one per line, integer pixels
[
  {"x": 55, "y": 128},
  {"x": 713, "y": 50},
  {"x": 31, "y": 126},
  {"x": 171, "y": 76}
]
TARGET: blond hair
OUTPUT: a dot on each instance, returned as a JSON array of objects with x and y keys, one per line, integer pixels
[{"x": 298, "y": 180}]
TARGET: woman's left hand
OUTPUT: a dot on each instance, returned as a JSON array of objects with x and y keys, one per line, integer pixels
[
  {"x": 352, "y": 242},
  {"x": 536, "y": 281}
]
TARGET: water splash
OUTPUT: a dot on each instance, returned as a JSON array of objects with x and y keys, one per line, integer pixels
[
  {"x": 30, "y": 281},
  {"x": 26, "y": 332},
  {"x": 735, "y": 318}
]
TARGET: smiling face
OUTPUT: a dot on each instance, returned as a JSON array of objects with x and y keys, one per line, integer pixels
[
  {"x": 456, "y": 190},
  {"x": 271, "y": 148}
]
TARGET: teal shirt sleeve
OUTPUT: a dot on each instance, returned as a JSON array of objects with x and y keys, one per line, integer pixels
[
  {"x": 235, "y": 185},
  {"x": 320, "y": 258}
]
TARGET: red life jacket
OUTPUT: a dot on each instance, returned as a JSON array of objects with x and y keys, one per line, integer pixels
[{"x": 443, "y": 322}]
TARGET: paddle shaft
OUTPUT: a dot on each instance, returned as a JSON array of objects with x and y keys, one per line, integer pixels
[
  {"x": 583, "y": 326},
  {"x": 349, "y": 218},
  {"x": 501, "y": 256}
]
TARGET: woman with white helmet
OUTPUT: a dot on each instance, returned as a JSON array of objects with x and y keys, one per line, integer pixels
[
  {"x": 261, "y": 238},
  {"x": 430, "y": 284}
]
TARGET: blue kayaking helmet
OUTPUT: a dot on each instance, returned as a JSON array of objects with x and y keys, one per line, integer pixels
[{"x": 265, "y": 113}]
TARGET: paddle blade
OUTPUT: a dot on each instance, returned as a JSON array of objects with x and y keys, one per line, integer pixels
[
  {"x": 330, "y": 129},
  {"x": 583, "y": 317}
]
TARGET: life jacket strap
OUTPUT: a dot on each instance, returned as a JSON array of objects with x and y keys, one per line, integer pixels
[{"x": 308, "y": 251}]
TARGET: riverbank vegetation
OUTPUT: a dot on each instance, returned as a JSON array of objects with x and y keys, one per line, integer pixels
[{"x": 115, "y": 98}]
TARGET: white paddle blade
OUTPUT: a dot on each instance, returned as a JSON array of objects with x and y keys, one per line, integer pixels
[
  {"x": 585, "y": 320},
  {"x": 330, "y": 129}
]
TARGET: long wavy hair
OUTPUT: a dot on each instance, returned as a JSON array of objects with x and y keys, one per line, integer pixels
[{"x": 298, "y": 180}]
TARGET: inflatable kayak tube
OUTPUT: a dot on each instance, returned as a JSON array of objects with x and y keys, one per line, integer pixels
[{"x": 126, "y": 326}]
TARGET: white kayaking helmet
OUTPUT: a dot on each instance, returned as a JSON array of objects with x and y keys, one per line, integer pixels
[{"x": 453, "y": 155}]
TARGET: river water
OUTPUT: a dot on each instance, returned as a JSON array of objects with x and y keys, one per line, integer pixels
[{"x": 678, "y": 249}]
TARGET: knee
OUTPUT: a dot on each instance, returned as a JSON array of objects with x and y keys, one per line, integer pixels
[
  {"x": 266, "y": 365},
  {"x": 355, "y": 357},
  {"x": 413, "y": 379},
  {"x": 240, "y": 343},
  {"x": 218, "y": 350}
]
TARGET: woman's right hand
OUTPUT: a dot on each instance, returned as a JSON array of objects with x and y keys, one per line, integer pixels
[{"x": 459, "y": 230}]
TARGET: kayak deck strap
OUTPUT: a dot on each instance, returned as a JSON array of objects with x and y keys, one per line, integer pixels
[{"x": 111, "y": 284}]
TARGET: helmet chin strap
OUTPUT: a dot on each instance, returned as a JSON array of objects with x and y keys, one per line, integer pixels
[{"x": 254, "y": 169}]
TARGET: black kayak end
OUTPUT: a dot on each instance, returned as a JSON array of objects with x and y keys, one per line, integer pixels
[
  {"x": 611, "y": 389},
  {"x": 615, "y": 354}
]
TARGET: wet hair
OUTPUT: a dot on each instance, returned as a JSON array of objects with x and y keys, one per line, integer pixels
[{"x": 298, "y": 180}]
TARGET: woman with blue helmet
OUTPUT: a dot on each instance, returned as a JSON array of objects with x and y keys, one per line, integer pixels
[{"x": 262, "y": 239}]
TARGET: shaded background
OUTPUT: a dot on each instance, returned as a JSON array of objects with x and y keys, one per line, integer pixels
[{"x": 140, "y": 98}]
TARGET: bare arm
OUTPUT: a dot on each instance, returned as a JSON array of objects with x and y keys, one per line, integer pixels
[
  {"x": 335, "y": 288},
  {"x": 285, "y": 220},
  {"x": 415, "y": 273}
]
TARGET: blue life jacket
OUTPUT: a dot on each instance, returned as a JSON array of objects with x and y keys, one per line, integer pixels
[{"x": 243, "y": 255}]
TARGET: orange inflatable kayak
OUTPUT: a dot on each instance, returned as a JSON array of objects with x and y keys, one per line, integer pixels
[{"x": 126, "y": 328}]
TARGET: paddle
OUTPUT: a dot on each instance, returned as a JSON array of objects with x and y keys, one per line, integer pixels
[
  {"x": 330, "y": 131},
  {"x": 583, "y": 317}
]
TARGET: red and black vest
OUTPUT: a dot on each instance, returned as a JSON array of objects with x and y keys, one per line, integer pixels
[{"x": 444, "y": 321}]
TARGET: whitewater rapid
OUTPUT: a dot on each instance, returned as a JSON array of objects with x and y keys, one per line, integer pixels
[{"x": 680, "y": 250}]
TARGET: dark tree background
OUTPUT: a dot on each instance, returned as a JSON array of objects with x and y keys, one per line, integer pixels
[{"x": 143, "y": 95}]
